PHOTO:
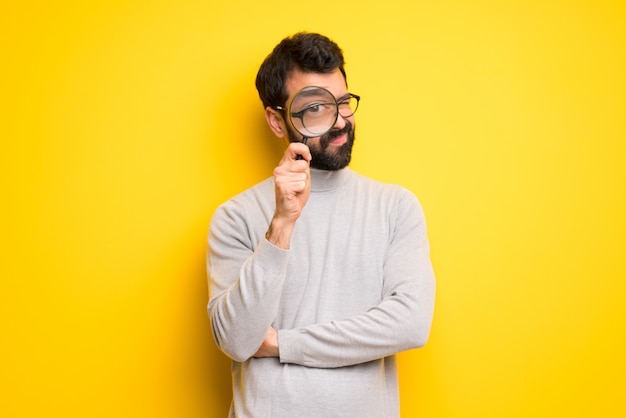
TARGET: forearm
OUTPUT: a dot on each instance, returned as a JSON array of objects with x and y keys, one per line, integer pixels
[
  {"x": 399, "y": 323},
  {"x": 402, "y": 318},
  {"x": 279, "y": 233},
  {"x": 269, "y": 348},
  {"x": 242, "y": 310}
]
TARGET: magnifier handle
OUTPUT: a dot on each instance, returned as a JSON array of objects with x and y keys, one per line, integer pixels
[{"x": 304, "y": 139}]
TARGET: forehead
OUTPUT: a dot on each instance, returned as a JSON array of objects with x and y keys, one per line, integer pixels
[{"x": 334, "y": 82}]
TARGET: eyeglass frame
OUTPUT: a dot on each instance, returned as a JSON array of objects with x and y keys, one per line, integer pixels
[{"x": 344, "y": 98}]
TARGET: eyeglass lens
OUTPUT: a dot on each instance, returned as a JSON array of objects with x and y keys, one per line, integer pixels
[{"x": 348, "y": 106}]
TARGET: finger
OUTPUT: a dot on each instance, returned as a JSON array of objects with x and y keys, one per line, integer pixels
[
  {"x": 302, "y": 186},
  {"x": 288, "y": 168},
  {"x": 285, "y": 177},
  {"x": 298, "y": 148},
  {"x": 298, "y": 177}
]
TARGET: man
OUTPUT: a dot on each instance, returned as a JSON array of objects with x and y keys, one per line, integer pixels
[{"x": 318, "y": 276}]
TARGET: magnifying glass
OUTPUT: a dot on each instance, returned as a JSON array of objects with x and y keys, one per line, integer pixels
[{"x": 313, "y": 111}]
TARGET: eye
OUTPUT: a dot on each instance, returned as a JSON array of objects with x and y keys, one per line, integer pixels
[
  {"x": 318, "y": 109},
  {"x": 313, "y": 108}
]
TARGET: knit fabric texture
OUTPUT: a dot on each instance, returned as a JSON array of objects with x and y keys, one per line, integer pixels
[{"x": 355, "y": 287}]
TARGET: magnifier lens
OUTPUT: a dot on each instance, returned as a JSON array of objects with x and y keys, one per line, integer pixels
[{"x": 313, "y": 111}]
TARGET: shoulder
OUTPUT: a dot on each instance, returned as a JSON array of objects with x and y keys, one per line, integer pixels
[
  {"x": 259, "y": 196},
  {"x": 381, "y": 189},
  {"x": 398, "y": 202},
  {"x": 244, "y": 217},
  {"x": 259, "y": 191}
]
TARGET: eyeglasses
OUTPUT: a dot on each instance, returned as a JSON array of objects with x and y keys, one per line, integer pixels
[{"x": 314, "y": 110}]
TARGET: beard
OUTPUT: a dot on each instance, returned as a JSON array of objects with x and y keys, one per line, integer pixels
[{"x": 324, "y": 159}]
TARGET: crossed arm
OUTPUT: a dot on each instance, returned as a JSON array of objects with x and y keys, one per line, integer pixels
[
  {"x": 247, "y": 284},
  {"x": 245, "y": 304}
]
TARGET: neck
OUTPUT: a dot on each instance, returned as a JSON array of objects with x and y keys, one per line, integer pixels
[{"x": 326, "y": 180}]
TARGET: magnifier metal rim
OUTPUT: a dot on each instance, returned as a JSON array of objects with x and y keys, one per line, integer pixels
[{"x": 308, "y": 132}]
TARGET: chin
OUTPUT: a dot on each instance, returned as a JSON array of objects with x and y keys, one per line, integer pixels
[{"x": 336, "y": 161}]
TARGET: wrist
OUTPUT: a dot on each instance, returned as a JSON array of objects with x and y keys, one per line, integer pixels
[
  {"x": 279, "y": 233},
  {"x": 269, "y": 347}
]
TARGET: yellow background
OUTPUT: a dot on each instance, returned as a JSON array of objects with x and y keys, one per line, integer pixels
[{"x": 125, "y": 123}]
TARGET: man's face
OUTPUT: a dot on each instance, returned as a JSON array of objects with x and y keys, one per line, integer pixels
[{"x": 333, "y": 150}]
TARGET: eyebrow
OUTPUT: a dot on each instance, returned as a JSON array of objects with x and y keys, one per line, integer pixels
[{"x": 308, "y": 93}]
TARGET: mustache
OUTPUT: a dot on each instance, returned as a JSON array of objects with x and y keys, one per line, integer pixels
[{"x": 329, "y": 136}]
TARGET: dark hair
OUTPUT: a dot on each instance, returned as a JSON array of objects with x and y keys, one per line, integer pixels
[{"x": 306, "y": 52}]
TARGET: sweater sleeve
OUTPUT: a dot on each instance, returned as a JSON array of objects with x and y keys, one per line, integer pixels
[
  {"x": 402, "y": 320},
  {"x": 245, "y": 283}
]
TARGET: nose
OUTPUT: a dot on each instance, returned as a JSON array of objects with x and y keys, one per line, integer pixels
[{"x": 340, "y": 123}]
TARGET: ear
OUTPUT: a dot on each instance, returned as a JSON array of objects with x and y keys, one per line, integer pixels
[{"x": 275, "y": 121}]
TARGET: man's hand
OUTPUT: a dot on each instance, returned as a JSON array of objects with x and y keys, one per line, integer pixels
[
  {"x": 292, "y": 180},
  {"x": 269, "y": 348}
]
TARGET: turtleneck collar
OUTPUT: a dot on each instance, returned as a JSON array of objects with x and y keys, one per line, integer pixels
[{"x": 325, "y": 181}]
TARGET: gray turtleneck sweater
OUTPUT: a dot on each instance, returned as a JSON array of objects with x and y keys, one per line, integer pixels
[{"x": 355, "y": 287}]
